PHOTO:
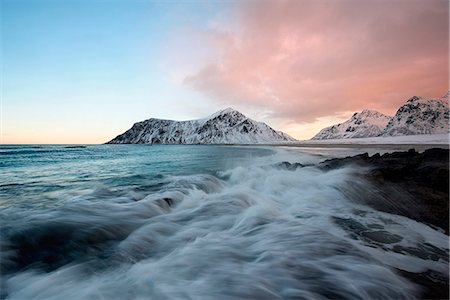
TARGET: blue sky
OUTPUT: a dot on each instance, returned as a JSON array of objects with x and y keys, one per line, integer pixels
[{"x": 84, "y": 71}]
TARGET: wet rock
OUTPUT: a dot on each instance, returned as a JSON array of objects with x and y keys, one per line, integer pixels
[
  {"x": 289, "y": 166},
  {"x": 408, "y": 183},
  {"x": 381, "y": 236},
  {"x": 350, "y": 225},
  {"x": 433, "y": 285},
  {"x": 359, "y": 231},
  {"x": 169, "y": 201},
  {"x": 424, "y": 251},
  {"x": 165, "y": 203}
]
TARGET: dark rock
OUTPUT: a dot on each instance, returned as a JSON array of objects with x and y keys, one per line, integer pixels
[
  {"x": 165, "y": 203},
  {"x": 434, "y": 285},
  {"x": 381, "y": 236},
  {"x": 411, "y": 184},
  {"x": 169, "y": 201},
  {"x": 289, "y": 166}
]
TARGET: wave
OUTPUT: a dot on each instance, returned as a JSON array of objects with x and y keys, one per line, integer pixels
[{"x": 256, "y": 231}]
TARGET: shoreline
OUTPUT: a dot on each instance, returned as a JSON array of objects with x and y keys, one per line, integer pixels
[
  {"x": 378, "y": 146},
  {"x": 409, "y": 184}
]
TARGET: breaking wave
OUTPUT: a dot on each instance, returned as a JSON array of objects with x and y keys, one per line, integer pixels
[{"x": 256, "y": 231}]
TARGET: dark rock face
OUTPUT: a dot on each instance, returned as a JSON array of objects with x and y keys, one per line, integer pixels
[
  {"x": 288, "y": 166},
  {"x": 411, "y": 184}
]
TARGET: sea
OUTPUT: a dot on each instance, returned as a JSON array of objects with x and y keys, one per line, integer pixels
[{"x": 201, "y": 222}]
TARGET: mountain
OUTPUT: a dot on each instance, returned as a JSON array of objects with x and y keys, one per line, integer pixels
[
  {"x": 227, "y": 126},
  {"x": 420, "y": 115},
  {"x": 367, "y": 123}
]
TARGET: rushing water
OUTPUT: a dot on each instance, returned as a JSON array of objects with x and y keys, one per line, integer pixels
[{"x": 199, "y": 222}]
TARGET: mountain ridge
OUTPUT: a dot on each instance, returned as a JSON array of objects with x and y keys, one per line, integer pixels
[
  {"x": 367, "y": 123},
  {"x": 418, "y": 115},
  {"x": 227, "y": 126}
]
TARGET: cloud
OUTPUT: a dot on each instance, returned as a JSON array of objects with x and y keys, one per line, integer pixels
[{"x": 306, "y": 59}]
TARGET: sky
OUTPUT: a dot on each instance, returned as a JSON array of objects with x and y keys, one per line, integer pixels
[{"x": 83, "y": 71}]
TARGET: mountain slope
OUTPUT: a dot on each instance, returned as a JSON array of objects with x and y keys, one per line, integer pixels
[
  {"x": 227, "y": 126},
  {"x": 367, "y": 123},
  {"x": 420, "y": 115}
]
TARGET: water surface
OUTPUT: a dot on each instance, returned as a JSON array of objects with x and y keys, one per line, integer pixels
[{"x": 200, "y": 222}]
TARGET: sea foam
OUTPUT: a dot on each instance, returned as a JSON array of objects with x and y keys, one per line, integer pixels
[{"x": 252, "y": 231}]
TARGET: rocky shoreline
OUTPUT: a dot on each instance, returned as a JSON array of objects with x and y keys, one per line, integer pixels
[
  {"x": 410, "y": 184},
  {"x": 406, "y": 183}
]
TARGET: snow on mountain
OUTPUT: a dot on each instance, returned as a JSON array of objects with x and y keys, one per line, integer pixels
[
  {"x": 367, "y": 123},
  {"x": 227, "y": 126},
  {"x": 420, "y": 115}
]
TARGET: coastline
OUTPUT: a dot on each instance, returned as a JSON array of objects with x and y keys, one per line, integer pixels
[
  {"x": 419, "y": 147},
  {"x": 409, "y": 184}
]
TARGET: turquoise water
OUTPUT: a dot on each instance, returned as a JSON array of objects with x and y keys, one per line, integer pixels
[
  {"x": 33, "y": 174},
  {"x": 200, "y": 222}
]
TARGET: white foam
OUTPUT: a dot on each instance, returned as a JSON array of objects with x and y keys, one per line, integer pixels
[{"x": 258, "y": 232}]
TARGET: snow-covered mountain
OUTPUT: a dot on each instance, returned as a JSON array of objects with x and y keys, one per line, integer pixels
[
  {"x": 227, "y": 126},
  {"x": 367, "y": 123},
  {"x": 420, "y": 115}
]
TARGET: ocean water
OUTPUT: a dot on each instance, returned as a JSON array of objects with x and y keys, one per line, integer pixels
[{"x": 200, "y": 222}]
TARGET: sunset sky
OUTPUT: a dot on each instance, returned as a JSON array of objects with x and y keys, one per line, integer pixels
[{"x": 85, "y": 71}]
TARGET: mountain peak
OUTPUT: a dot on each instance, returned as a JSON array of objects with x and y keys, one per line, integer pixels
[
  {"x": 419, "y": 99},
  {"x": 369, "y": 112},
  {"x": 227, "y": 126},
  {"x": 414, "y": 98},
  {"x": 420, "y": 115},
  {"x": 226, "y": 111},
  {"x": 362, "y": 124}
]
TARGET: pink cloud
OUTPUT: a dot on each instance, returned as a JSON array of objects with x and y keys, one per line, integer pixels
[{"x": 307, "y": 59}]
